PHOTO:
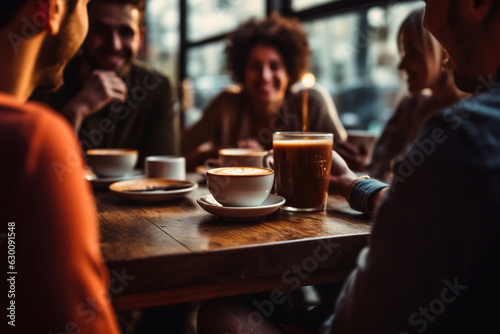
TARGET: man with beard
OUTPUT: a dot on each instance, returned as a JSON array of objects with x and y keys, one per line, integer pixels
[
  {"x": 113, "y": 100},
  {"x": 55, "y": 279}
]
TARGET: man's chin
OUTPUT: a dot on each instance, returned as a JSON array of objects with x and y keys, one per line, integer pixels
[
  {"x": 51, "y": 83},
  {"x": 119, "y": 69},
  {"x": 122, "y": 70},
  {"x": 51, "y": 88},
  {"x": 113, "y": 68}
]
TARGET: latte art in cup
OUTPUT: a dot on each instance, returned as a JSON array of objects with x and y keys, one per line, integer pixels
[
  {"x": 240, "y": 186},
  {"x": 235, "y": 171}
]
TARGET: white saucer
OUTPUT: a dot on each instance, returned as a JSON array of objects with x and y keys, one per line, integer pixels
[
  {"x": 104, "y": 182},
  {"x": 271, "y": 204},
  {"x": 125, "y": 189}
]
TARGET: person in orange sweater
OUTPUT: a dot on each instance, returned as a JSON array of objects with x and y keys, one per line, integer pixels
[{"x": 54, "y": 279}]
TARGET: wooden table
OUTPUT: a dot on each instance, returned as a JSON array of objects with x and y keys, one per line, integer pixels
[{"x": 174, "y": 252}]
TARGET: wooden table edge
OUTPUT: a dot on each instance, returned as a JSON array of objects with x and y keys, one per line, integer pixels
[{"x": 223, "y": 289}]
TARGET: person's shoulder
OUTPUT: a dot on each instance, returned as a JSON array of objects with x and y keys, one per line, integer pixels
[
  {"x": 413, "y": 102},
  {"x": 229, "y": 95},
  {"x": 34, "y": 115},
  {"x": 28, "y": 110},
  {"x": 39, "y": 110},
  {"x": 319, "y": 92},
  {"x": 485, "y": 105},
  {"x": 232, "y": 92},
  {"x": 226, "y": 102},
  {"x": 35, "y": 128},
  {"x": 295, "y": 92},
  {"x": 142, "y": 78},
  {"x": 467, "y": 132},
  {"x": 470, "y": 115},
  {"x": 141, "y": 69},
  {"x": 317, "y": 95}
]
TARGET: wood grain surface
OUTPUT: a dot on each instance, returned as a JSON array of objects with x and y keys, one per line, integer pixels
[{"x": 173, "y": 252}]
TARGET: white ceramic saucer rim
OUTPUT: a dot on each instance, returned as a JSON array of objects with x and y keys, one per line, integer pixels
[
  {"x": 156, "y": 196},
  {"x": 241, "y": 208},
  {"x": 193, "y": 186},
  {"x": 136, "y": 174}
]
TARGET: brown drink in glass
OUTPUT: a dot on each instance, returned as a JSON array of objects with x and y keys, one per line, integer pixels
[{"x": 302, "y": 163}]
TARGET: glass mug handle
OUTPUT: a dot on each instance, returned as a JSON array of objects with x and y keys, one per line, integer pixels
[{"x": 268, "y": 161}]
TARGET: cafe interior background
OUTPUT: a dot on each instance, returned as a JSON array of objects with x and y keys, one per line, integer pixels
[{"x": 353, "y": 42}]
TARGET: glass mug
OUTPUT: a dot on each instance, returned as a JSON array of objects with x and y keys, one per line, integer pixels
[{"x": 302, "y": 164}]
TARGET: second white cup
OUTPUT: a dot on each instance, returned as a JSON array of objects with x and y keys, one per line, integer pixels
[
  {"x": 166, "y": 166},
  {"x": 238, "y": 157}
]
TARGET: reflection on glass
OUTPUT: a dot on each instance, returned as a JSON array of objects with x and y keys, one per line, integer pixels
[
  {"x": 162, "y": 39},
  {"x": 298, "y": 5},
  {"x": 207, "y": 18},
  {"x": 355, "y": 56},
  {"x": 207, "y": 76}
]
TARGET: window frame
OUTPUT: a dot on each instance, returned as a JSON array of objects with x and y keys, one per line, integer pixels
[{"x": 284, "y": 7}]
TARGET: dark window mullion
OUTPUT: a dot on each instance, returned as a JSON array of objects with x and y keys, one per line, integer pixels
[
  {"x": 338, "y": 7},
  {"x": 183, "y": 40},
  {"x": 283, "y": 7}
]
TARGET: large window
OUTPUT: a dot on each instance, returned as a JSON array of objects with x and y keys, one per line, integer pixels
[
  {"x": 162, "y": 38},
  {"x": 206, "y": 62},
  {"x": 207, "y": 76},
  {"x": 355, "y": 55},
  {"x": 207, "y": 18}
]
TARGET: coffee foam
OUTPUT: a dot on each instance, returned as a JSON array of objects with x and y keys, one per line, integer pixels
[
  {"x": 243, "y": 171},
  {"x": 111, "y": 151},
  {"x": 242, "y": 153},
  {"x": 299, "y": 142}
]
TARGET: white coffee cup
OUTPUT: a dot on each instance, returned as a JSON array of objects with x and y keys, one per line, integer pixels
[
  {"x": 112, "y": 162},
  {"x": 165, "y": 166},
  {"x": 238, "y": 157},
  {"x": 240, "y": 186}
]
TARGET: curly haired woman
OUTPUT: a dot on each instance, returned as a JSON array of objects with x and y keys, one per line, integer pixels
[{"x": 266, "y": 58}]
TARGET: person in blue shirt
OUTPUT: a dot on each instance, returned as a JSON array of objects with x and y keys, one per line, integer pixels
[{"x": 430, "y": 264}]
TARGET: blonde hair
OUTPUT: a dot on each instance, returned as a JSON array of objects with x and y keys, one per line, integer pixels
[
  {"x": 429, "y": 46},
  {"x": 414, "y": 25}
]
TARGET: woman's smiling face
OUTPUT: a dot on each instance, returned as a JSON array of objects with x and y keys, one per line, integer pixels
[{"x": 266, "y": 77}]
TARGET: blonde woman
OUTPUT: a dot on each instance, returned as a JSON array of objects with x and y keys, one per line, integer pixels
[{"x": 431, "y": 88}]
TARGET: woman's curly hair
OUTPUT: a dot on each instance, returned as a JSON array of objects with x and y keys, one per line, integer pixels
[{"x": 284, "y": 34}]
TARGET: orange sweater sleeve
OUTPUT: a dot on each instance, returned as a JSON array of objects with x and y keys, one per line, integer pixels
[{"x": 61, "y": 281}]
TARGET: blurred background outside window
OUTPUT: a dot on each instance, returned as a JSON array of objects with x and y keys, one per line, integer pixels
[
  {"x": 354, "y": 53},
  {"x": 207, "y": 76},
  {"x": 206, "y": 68},
  {"x": 162, "y": 46},
  {"x": 214, "y": 17}
]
